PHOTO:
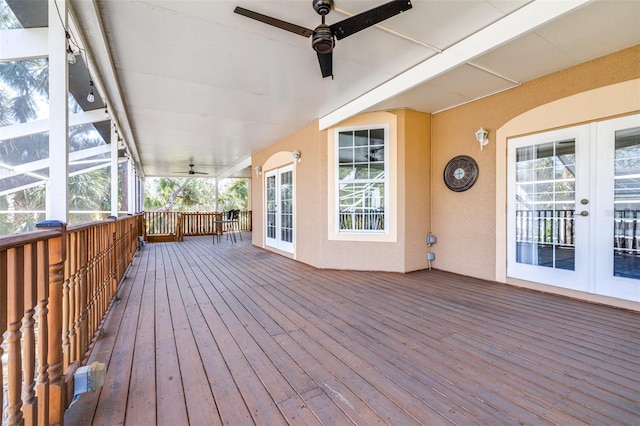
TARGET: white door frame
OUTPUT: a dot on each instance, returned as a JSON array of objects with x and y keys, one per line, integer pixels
[
  {"x": 278, "y": 242},
  {"x": 577, "y": 279},
  {"x": 594, "y": 195}
]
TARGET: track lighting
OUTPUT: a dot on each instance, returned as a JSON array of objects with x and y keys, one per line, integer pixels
[{"x": 90, "y": 96}]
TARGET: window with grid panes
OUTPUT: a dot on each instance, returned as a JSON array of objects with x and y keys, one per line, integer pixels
[{"x": 361, "y": 181}]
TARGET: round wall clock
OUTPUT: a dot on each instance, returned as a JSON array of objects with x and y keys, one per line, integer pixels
[{"x": 460, "y": 173}]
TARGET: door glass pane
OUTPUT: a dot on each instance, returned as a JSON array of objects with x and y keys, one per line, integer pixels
[
  {"x": 545, "y": 204},
  {"x": 286, "y": 206},
  {"x": 626, "y": 241},
  {"x": 271, "y": 206}
]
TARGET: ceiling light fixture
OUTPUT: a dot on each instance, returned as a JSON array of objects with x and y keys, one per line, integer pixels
[{"x": 91, "y": 97}]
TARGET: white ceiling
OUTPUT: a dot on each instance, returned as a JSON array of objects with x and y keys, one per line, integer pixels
[{"x": 192, "y": 81}]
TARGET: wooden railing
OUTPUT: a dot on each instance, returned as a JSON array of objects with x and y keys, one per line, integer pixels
[
  {"x": 188, "y": 223},
  {"x": 56, "y": 286}
]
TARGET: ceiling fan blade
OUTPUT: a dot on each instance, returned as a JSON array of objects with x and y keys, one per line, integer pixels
[
  {"x": 368, "y": 18},
  {"x": 326, "y": 64},
  {"x": 283, "y": 25}
]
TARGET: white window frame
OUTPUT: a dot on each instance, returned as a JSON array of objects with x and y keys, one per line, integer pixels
[{"x": 385, "y": 181}]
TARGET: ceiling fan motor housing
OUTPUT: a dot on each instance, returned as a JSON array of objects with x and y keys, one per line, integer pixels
[
  {"x": 322, "y": 40},
  {"x": 322, "y": 7}
]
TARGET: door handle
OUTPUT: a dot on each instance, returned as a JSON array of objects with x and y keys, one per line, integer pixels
[{"x": 584, "y": 213}]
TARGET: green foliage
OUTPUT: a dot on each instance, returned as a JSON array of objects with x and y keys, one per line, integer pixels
[
  {"x": 8, "y": 20},
  {"x": 23, "y": 81},
  {"x": 188, "y": 194},
  {"x": 26, "y": 203}
]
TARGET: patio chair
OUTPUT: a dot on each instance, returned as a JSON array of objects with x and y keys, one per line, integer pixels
[{"x": 232, "y": 220}]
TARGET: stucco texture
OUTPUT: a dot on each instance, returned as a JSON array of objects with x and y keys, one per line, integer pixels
[{"x": 464, "y": 222}]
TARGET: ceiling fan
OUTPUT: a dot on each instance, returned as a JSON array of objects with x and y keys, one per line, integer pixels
[
  {"x": 324, "y": 36},
  {"x": 191, "y": 171}
]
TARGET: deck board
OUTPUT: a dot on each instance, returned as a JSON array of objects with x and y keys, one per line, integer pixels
[{"x": 233, "y": 334}]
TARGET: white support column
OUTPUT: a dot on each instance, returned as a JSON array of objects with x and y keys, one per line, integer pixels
[
  {"x": 141, "y": 195},
  {"x": 114, "y": 173},
  {"x": 57, "y": 189},
  {"x": 131, "y": 182},
  {"x": 217, "y": 195}
]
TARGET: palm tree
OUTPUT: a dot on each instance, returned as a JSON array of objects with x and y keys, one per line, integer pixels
[
  {"x": 24, "y": 79},
  {"x": 8, "y": 20}
]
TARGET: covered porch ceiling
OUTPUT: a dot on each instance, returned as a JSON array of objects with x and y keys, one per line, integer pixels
[{"x": 191, "y": 81}]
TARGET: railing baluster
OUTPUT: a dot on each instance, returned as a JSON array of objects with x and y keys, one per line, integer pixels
[
  {"x": 66, "y": 305},
  {"x": 42, "y": 385},
  {"x": 29, "y": 405},
  {"x": 55, "y": 289},
  {"x": 56, "y": 278},
  {"x": 15, "y": 309},
  {"x": 82, "y": 285}
]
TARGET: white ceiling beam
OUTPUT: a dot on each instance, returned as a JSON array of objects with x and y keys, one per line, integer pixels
[
  {"x": 22, "y": 44},
  {"x": 516, "y": 24},
  {"x": 241, "y": 165},
  {"x": 101, "y": 62}
]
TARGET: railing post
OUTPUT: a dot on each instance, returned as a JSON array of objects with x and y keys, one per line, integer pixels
[
  {"x": 114, "y": 258},
  {"x": 57, "y": 255}
]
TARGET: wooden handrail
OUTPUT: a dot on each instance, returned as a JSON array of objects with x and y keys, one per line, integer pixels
[
  {"x": 56, "y": 286},
  {"x": 191, "y": 223}
]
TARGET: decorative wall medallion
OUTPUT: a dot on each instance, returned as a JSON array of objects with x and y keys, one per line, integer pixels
[{"x": 460, "y": 173}]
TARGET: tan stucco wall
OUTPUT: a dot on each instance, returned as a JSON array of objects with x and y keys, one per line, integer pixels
[
  {"x": 309, "y": 178},
  {"x": 414, "y": 202},
  {"x": 401, "y": 250},
  {"x": 465, "y": 223}
]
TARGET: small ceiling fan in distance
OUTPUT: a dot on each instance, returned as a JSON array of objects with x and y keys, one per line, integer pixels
[
  {"x": 323, "y": 36},
  {"x": 191, "y": 170}
]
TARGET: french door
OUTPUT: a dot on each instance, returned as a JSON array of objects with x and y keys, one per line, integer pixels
[
  {"x": 279, "y": 209},
  {"x": 574, "y": 208}
]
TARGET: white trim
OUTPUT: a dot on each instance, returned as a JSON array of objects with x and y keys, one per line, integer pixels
[
  {"x": 336, "y": 213},
  {"x": 57, "y": 204},
  {"x": 98, "y": 55},
  {"x": 520, "y": 22},
  {"x": 604, "y": 281},
  {"x": 277, "y": 242},
  {"x": 22, "y": 44},
  {"x": 74, "y": 158},
  {"x": 577, "y": 279},
  {"x": 39, "y": 126},
  {"x": 240, "y": 165},
  {"x": 114, "y": 172}
]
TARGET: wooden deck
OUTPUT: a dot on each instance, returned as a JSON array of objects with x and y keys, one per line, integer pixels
[{"x": 228, "y": 333}]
